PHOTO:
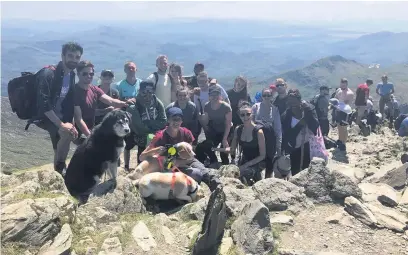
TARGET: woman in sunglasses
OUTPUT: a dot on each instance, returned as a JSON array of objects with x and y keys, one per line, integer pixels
[
  {"x": 268, "y": 114},
  {"x": 86, "y": 100},
  {"x": 148, "y": 117},
  {"x": 251, "y": 139}
]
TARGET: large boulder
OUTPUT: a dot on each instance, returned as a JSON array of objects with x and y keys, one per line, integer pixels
[
  {"x": 60, "y": 245},
  {"x": 230, "y": 171},
  {"x": 251, "y": 231},
  {"x": 35, "y": 221},
  {"x": 280, "y": 195},
  {"x": 359, "y": 211},
  {"x": 394, "y": 177},
  {"x": 389, "y": 218},
  {"x": 236, "y": 199},
  {"x": 124, "y": 198},
  {"x": 403, "y": 202},
  {"x": 378, "y": 193},
  {"x": 323, "y": 185},
  {"x": 212, "y": 229}
]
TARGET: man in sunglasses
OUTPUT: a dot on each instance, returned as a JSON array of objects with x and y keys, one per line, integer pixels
[
  {"x": 86, "y": 99},
  {"x": 148, "y": 117},
  {"x": 102, "y": 109},
  {"x": 174, "y": 133}
]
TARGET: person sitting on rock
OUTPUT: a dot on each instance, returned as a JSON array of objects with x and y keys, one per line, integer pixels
[
  {"x": 299, "y": 124},
  {"x": 252, "y": 143},
  {"x": 172, "y": 135},
  {"x": 403, "y": 127}
]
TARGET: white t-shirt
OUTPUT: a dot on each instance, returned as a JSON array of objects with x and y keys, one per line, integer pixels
[
  {"x": 204, "y": 98},
  {"x": 163, "y": 87}
]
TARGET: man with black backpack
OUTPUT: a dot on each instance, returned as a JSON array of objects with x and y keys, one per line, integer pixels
[
  {"x": 321, "y": 104},
  {"x": 161, "y": 80},
  {"x": 55, "y": 102}
]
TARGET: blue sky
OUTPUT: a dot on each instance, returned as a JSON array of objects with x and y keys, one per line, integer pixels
[{"x": 280, "y": 11}]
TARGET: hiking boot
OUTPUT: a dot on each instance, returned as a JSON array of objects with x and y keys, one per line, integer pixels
[{"x": 127, "y": 169}]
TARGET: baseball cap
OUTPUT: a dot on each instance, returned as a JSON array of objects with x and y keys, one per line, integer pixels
[
  {"x": 105, "y": 73},
  {"x": 214, "y": 89},
  {"x": 174, "y": 111},
  {"x": 145, "y": 84}
]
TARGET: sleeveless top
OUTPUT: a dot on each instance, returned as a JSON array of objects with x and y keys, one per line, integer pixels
[{"x": 250, "y": 150}]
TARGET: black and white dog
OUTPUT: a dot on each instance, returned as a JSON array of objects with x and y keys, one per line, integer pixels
[{"x": 98, "y": 154}]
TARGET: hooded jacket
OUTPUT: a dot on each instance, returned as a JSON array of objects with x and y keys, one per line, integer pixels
[{"x": 147, "y": 119}]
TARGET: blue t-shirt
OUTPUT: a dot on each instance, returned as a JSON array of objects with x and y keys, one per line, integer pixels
[
  {"x": 403, "y": 130},
  {"x": 126, "y": 90},
  {"x": 385, "y": 89}
]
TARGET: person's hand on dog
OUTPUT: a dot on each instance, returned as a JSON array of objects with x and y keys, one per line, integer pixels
[
  {"x": 225, "y": 143},
  {"x": 131, "y": 101}
]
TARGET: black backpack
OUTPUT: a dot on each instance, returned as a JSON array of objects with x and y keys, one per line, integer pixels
[{"x": 22, "y": 93}]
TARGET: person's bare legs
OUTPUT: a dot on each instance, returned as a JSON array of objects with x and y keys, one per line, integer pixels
[{"x": 343, "y": 135}]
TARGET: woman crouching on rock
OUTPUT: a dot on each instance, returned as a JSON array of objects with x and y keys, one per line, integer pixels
[
  {"x": 252, "y": 142},
  {"x": 299, "y": 124}
]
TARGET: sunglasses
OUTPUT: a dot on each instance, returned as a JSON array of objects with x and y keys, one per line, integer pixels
[
  {"x": 280, "y": 85},
  {"x": 247, "y": 114},
  {"x": 86, "y": 74},
  {"x": 266, "y": 95}
]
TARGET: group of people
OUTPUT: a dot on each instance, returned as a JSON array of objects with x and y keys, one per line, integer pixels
[{"x": 168, "y": 108}]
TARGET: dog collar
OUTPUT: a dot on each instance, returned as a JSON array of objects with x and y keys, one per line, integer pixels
[{"x": 192, "y": 192}]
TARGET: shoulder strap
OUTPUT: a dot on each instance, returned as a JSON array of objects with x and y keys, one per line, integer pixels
[{"x": 156, "y": 76}]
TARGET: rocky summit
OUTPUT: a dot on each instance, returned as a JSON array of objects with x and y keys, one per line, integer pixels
[{"x": 356, "y": 204}]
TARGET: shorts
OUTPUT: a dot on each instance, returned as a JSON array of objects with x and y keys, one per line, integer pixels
[
  {"x": 52, "y": 129},
  {"x": 361, "y": 111},
  {"x": 342, "y": 118}
]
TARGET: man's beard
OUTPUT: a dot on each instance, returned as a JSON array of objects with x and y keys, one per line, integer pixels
[{"x": 71, "y": 65}]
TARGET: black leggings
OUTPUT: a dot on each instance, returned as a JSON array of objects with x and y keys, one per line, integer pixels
[
  {"x": 203, "y": 149},
  {"x": 324, "y": 126},
  {"x": 295, "y": 159}
]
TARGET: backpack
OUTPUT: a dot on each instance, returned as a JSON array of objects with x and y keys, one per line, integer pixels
[
  {"x": 22, "y": 93},
  {"x": 156, "y": 76}
]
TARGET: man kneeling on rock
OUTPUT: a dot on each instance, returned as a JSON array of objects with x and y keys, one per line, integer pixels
[{"x": 172, "y": 135}]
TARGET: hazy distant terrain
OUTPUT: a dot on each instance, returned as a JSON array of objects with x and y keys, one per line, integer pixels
[{"x": 307, "y": 57}]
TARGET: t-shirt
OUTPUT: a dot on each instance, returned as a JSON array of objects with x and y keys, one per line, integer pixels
[
  {"x": 217, "y": 117},
  {"x": 87, "y": 100},
  {"x": 202, "y": 100},
  {"x": 163, "y": 87},
  {"x": 362, "y": 94},
  {"x": 126, "y": 90},
  {"x": 64, "y": 91},
  {"x": 190, "y": 116},
  {"x": 163, "y": 138},
  {"x": 345, "y": 96},
  {"x": 385, "y": 89},
  {"x": 113, "y": 93}
]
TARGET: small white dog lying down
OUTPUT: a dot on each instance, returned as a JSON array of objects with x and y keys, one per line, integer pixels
[{"x": 165, "y": 186}]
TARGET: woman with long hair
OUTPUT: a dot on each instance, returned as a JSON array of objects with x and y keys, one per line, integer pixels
[
  {"x": 177, "y": 80},
  {"x": 251, "y": 139}
]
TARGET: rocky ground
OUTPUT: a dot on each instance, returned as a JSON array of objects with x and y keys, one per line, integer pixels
[{"x": 354, "y": 205}]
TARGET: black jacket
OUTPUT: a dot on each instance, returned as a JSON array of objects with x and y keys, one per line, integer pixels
[
  {"x": 290, "y": 134},
  {"x": 49, "y": 89}
]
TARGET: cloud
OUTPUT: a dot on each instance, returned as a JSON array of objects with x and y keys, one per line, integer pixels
[{"x": 279, "y": 11}]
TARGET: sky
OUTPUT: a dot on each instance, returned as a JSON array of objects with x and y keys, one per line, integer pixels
[{"x": 327, "y": 11}]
